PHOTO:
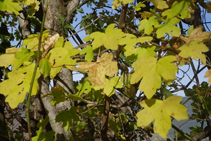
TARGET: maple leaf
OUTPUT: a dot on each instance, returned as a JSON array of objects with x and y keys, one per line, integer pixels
[
  {"x": 194, "y": 49},
  {"x": 208, "y": 75},
  {"x": 160, "y": 112},
  {"x": 98, "y": 70},
  {"x": 19, "y": 83},
  {"x": 89, "y": 53},
  {"x": 147, "y": 25},
  {"x": 196, "y": 35},
  {"x": 110, "y": 84},
  {"x": 10, "y": 6},
  {"x": 7, "y": 58},
  {"x": 20, "y": 57},
  {"x": 32, "y": 41},
  {"x": 145, "y": 52},
  {"x": 179, "y": 9},
  {"x": 160, "y": 4},
  {"x": 131, "y": 40},
  {"x": 150, "y": 71},
  {"x": 45, "y": 67},
  {"x": 117, "y": 3},
  {"x": 110, "y": 39},
  {"x": 60, "y": 56},
  {"x": 67, "y": 117},
  {"x": 169, "y": 27}
]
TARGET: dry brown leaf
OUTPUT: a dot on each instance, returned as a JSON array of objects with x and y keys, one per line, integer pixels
[
  {"x": 98, "y": 70},
  {"x": 197, "y": 35},
  {"x": 208, "y": 7}
]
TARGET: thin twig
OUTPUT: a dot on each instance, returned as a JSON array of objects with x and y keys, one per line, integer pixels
[{"x": 83, "y": 28}]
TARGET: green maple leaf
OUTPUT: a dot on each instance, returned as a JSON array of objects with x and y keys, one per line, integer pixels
[
  {"x": 19, "y": 83},
  {"x": 21, "y": 56},
  {"x": 194, "y": 49},
  {"x": 67, "y": 116},
  {"x": 89, "y": 53},
  {"x": 147, "y": 25},
  {"x": 178, "y": 9},
  {"x": 10, "y": 6},
  {"x": 84, "y": 86},
  {"x": 169, "y": 27},
  {"x": 60, "y": 56},
  {"x": 160, "y": 112},
  {"x": 110, "y": 39},
  {"x": 150, "y": 71},
  {"x": 57, "y": 97}
]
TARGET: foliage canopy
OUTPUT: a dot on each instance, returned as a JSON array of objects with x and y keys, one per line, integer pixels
[{"x": 130, "y": 59}]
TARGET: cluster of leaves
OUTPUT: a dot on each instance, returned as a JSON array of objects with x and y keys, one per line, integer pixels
[{"x": 153, "y": 68}]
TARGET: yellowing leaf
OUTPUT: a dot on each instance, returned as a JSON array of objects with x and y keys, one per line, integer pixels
[
  {"x": 60, "y": 56},
  {"x": 160, "y": 112},
  {"x": 194, "y": 49},
  {"x": 117, "y": 3},
  {"x": 160, "y": 4},
  {"x": 178, "y": 9},
  {"x": 45, "y": 67},
  {"x": 145, "y": 52},
  {"x": 32, "y": 41},
  {"x": 20, "y": 57},
  {"x": 169, "y": 27},
  {"x": 89, "y": 53},
  {"x": 10, "y": 6},
  {"x": 19, "y": 83},
  {"x": 110, "y": 84},
  {"x": 208, "y": 75},
  {"x": 7, "y": 58},
  {"x": 150, "y": 71},
  {"x": 109, "y": 39},
  {"x": 197, "y": 35},
  {"x": 147, "y": 25},
  {"x": 131, "y": 40},
  {"x": 166, "y": 68},
  {"x": 98, "y": 70}
]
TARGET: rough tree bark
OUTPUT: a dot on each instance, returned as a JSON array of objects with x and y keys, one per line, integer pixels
[{"x": 41, "y": 106}]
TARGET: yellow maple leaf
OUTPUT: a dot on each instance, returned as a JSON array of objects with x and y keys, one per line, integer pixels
[
  {"x": 32, "y": 40},
  {"x": 160, "y": 4},
  {"x": 10, "y": 6},
  {"x": 98, "y": 70},
  {"x": 60, "y": 56},
  {"x": 19, "y": 83},
  {"x": 194, "y": 49},
  {"x": 110, "y": 39},
  {"x": 208, "y": 75},
  {"x": 150, "y": 71},
  {"x": 7, "y": 58},
  {"x": 160, "y": 112},
  {"x": 110, "y": 84},
  {"x": 197, "y": 35}
]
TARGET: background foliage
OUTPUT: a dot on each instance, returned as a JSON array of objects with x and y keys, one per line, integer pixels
[{"x": 133, "y": 60}]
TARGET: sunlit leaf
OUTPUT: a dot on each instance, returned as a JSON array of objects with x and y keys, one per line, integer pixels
[{"x": 160, "y": 112}]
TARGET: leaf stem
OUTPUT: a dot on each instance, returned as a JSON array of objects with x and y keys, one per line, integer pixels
[{"x": 35, "y": 71}]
